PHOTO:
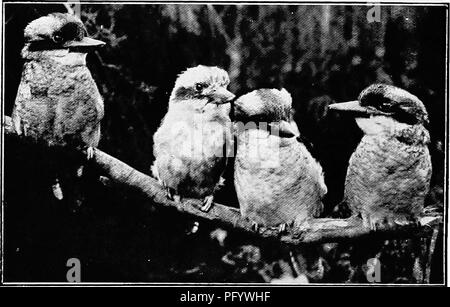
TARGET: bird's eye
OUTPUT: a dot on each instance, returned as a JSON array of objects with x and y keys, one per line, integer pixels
[
  {"x": 199, "y": 86},
  {"x": 57, "y": 38}
]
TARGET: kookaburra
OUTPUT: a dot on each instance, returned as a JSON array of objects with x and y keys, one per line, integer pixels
[
  {"x": 190, "y": 145},
  {"x": 277, "y": 181},
  {"x": 389, "y": 173},
  {"x": 57, "y": 100}
]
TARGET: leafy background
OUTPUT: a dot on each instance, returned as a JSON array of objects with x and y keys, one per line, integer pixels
[{"x": 320, "y": 54}]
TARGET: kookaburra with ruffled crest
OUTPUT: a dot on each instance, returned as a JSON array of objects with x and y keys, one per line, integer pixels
[
  {"x": 57, "y": 100},
  {"x": 190, "y": 145},
  {"x": 389, "y": 173}
]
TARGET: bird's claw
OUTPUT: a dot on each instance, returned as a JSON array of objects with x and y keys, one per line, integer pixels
[
  {"x": 170, "y": 194},
  {"x": 373, "y": 225},
  {"x": 207, "y": 203},
  {"x": 90, "y": 152},
  {"x": 255, "y": 227},
  {"x": 376, "y": 224},
  {"x": 25, "y": 129},
  {"x": 282, "y": 228},
  {"x": 369, "y": 222}
]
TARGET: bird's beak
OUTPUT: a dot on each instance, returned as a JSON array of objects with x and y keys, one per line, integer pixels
[
  {"x": 352, "y": 106},
  {"x": 356, "y": 107},
  {"x": 85, "y": 42},
  {"x": 284, "y": 128},
  {"x": 222, "y": 95}
]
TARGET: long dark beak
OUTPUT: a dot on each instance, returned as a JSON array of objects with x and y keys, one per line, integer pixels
[
  {"x": 85, "y": 42},
  {"x": 356, "y": 107},
  {"x": 222, "y": 95}
]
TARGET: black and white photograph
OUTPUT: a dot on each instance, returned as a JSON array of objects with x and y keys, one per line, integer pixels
[{"x": 229, "y": 143}]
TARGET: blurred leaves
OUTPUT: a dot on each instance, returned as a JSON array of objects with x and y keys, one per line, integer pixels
[{"x": 184, "y": 17}]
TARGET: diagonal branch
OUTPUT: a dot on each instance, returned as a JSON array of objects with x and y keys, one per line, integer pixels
[{"x": 316, "y": 230}]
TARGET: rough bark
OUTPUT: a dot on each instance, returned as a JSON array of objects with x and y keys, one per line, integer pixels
[{"x": 314, "y": 231}]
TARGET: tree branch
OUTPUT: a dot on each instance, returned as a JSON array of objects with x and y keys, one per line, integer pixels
[{"x": 316, "y": 230}]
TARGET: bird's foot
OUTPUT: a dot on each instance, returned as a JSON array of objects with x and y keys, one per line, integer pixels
[
  {"x": 171, "y": 195},
  {"x": 405, "y": 221},
  {"x": 25, "y": 129},
  {"x": 369, "y": 222},
  {"x": 90, "y": 152},
  {"x": 373, "y": 224},
  {"x": 378, "y": 223},
  {"x": 207, "y": 203},
  {"x": 282, "y": 228},
  {"x": 255, "y": 227},
  {"x": 401, "y": 222},
  {"x": 432, "y": 210}
]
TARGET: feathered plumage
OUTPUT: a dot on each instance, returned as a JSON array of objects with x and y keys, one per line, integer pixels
[
  {"x": 57, "y": 100},
  {"x": 189, "y": 146},
  {"x": 389, "y": 173},
  {"x": 277, "y": 180}
]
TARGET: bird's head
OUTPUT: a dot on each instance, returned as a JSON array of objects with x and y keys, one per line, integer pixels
[
  {"x": 382, "y": 108},
  {"x": 202, "y": 85},
  {"x": 269, "y": 106},
  {"x": 56, "y": 32}
]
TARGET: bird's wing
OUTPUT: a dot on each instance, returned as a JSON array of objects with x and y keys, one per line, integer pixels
[
  {"x": 388, "y": 176},
  {"x": 33, "y": 112},
  {"x": 79, "y": 107}
]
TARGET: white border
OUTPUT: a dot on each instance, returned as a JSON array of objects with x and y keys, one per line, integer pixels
[{"x": 446, "y": 264}]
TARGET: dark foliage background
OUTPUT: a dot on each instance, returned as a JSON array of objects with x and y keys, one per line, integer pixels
[{"x": 320, "y": 54}]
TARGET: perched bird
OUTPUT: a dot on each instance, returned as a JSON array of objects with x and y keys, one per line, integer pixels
[
  {"x": 57, "y": 100},
  {"x": 189, "y": 146},
  {"x": 389, "y": 173},
  {"x": 277, "y": 181}
]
